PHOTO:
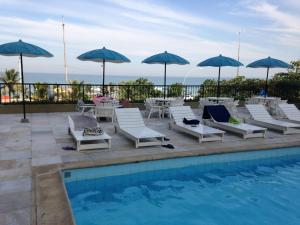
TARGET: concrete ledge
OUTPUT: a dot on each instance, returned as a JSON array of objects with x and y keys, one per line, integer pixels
[
  {"x": 37, "y": 108},
  {"x": 48, "y": 108}
]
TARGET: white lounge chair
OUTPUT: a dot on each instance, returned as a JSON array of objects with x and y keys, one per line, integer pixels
[
  {"x": 130, "y": 123},
  {"x": 261, "y": 117},
  {"x": 202, "y": 132},
  {"x": 87, "y": 142},
  {"x": 243, "y": 129},
  {"x": 290, "y": 111}
]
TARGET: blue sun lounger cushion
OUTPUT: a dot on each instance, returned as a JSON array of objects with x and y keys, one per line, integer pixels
[{"x": 217, "y": 112}]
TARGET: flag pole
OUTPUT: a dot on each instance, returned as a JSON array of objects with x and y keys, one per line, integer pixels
[
  {"x": 65, "y": 54},
  {"x": 238, "y": 53}
]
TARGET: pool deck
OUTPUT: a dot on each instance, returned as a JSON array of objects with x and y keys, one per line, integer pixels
[{"x": 31, "y": 155}]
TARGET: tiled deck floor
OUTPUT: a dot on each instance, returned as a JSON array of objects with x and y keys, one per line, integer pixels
[{"x": 24, "y": 146}]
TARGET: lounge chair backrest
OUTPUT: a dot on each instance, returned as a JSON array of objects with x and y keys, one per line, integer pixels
[
  {"x": 129, "y": 118},
  {"x": 218, "y": 113},
  {"x": 258, "y": 112},
  {"x": 290, "y": 111},
  {"x": 79, "y": 122},
  {"x": 180, "y": 112},
  {"x": 177, "y": 102}
]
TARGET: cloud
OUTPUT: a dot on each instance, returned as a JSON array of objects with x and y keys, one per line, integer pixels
[
  {"x": 159, "y": 11},
  {"x": 282, "y": 21},
  {"x": 137, "y": 29}
]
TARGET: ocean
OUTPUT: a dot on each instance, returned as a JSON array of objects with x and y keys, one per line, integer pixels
[{"x": 97, "y": 79}]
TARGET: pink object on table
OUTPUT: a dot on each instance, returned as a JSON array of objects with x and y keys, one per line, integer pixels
[{"x": 101, "y": 99}]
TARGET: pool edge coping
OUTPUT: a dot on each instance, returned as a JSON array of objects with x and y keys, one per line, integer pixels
[{"x": 57, "y": 168}]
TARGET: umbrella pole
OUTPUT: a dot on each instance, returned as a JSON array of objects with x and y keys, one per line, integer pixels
[
  {"x": 24, "y": 120},
  {"x": 103, "y": 78},
  {"x": 218, "y": 87},
  {"x": 165, "y": 81},
  {"x": 266, "y": 85}
]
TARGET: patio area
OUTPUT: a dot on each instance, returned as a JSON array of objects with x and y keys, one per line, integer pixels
[{"x": 30, "y": 151}]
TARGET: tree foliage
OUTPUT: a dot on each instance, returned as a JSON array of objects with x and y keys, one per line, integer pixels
[
  {"x": 138, "y": 90},
  {"x": 41, "y": 91},
  {"x": 10, "y": 78}
]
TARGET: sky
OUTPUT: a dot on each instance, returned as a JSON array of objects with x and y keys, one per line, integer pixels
[{"x": 195, "y": 30}]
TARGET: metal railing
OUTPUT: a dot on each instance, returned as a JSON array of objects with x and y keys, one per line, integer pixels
[{"x": 70, "y": 93}]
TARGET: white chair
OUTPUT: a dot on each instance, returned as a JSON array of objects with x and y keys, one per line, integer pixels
[
  {"x": 83, "y": 107},
  {"x": 130, "y": 123},
  {"x": 105, "y": 110},
  {"x": 202, "y": 132},
  {"x": 261, "y": 117},
  {"x": 152, "y": 107}
]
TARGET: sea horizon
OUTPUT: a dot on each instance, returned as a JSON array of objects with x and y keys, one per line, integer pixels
[{"x": 31, "y": 77}]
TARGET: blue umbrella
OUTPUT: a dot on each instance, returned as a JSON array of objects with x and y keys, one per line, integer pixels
[
  {"x": 220, "y": 61},
  {"x": 21, "y": 49},
  {"x": 165, "y": 58},
  {"x": 103, "y": 55},
  {"x": 268, "y": 63}
]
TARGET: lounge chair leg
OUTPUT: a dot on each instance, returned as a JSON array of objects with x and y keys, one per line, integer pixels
[
  {"x": 109, "y": 144},
  {"x": 200, "y": 139},
  {"x": 78, "y": 146},
  {"x": 150, "y": 112}
]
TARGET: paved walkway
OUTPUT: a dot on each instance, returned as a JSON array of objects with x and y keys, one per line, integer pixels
[{"x": 39, "y": 143}]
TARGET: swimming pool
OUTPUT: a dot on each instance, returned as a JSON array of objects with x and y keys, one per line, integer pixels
[{"x": 260, "y": 187}]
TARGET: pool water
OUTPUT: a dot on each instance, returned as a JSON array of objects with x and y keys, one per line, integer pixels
[{"x": 261, "y": 187}]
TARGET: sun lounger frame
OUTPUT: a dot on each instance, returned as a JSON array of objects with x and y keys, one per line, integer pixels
[
  {"x": 259, "y": 132},
  {"x": 263, "y": 118},
  {"x": 133, "y": 121},
  {"x": 88, "y": 142},
  {"x": 180, "y": 112},
  {"x": 245, "y": 134},
  {"x": 290, "y": 111}
]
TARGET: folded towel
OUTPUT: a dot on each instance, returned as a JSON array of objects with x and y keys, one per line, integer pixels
[
  {"x": 169, "y": 146},
  {"x": 68, "y": 148},
  {"x": 190, "y": 122},
  {"x": 96, "y": 131},
  {"x": 234, "y": 120}
]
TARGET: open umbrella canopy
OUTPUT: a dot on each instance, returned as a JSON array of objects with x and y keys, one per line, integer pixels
[
  {"x": 20, "y": 48},
  {"x": 103, "y": 54},
  {"x": 220, "y": 61},
  {"x": 165, "y": 58},
  {"x": 268, "y": 63}
]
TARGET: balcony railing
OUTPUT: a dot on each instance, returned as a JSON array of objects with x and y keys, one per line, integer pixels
[{"x": 70, "y": 93}]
